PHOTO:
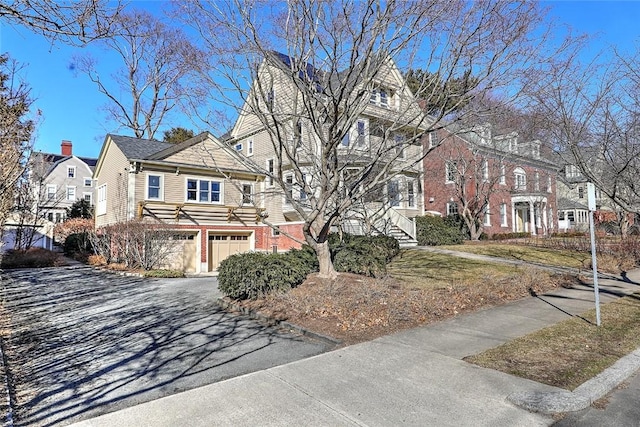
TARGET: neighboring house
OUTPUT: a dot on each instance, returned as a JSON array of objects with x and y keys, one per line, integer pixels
[
  {"x": 53, "y": 183},
  {"x": 198, "y": 188},
  {"x": 510, "y": 180},
  {"x": 59, "y": 180},
  {"x": 390, "y": 209},
  {"x": 573, "y": 211}
]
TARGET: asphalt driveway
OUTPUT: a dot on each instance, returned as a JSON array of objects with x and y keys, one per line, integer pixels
[{"x": 80, "y": 342}]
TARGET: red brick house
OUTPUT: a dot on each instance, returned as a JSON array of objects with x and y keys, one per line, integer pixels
[{"x": 502, "y": 184}]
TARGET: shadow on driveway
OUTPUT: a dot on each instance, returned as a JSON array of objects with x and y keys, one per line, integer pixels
[{"x": 83, "y": 342}]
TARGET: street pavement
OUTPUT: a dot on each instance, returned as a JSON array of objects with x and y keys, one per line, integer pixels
[
  {"x": 85, "y": 342},
  {"x": 414, "y": 378}
]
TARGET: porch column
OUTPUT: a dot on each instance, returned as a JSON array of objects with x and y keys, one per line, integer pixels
[
  {"x": 545, "y": 225},
  {"x": 532, "y": 218},
  {"x": 514, "y": 222}
]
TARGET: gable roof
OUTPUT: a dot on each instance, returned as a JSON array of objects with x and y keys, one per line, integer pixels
[
  {"x": 53, "y": 160},
  {"x": 139, "y": 149}
]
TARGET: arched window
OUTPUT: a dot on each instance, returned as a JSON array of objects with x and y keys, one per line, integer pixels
[{"x": 520, "y": 179}]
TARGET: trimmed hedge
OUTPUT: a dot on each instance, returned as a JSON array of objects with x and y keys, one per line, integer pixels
[
  {"x": 435, "y": 230},
  {"x": 509, "y": 236},
  {"x": 30, "y": 258},
  {"x": 255, "y": 274},
  {"x": 367, "y": 255}
]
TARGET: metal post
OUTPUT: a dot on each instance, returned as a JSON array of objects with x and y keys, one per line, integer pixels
[{"x": 594, "y": 264}]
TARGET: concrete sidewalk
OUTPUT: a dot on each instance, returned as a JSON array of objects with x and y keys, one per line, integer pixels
[{"x": 416, "y": 377}]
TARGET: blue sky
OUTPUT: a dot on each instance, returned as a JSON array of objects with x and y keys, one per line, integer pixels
[{"x": 71, "y": 106}]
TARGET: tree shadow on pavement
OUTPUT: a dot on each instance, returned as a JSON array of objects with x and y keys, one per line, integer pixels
[{"x": 84, "y": 342}]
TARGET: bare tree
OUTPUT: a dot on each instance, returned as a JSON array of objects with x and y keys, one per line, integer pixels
[
  {"x": 154, "y": 75},
  {"x": 334, "y": 58},
  {"x": 592, "y": 113},
  {"x": 15, "y": 134},
  {"x": 72, "y": 21}
]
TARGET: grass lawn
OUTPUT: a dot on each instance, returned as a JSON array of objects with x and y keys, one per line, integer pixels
[
  {"x": 422, "y": 270},
  {"x": 571, "y": 352},
  {"x": 559, "y": 257}
]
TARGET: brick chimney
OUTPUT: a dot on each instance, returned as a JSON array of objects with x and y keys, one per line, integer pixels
[{"x": 66, "y": 148}]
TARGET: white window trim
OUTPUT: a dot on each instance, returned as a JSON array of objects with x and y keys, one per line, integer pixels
[
  {"x": 485, "y": 170},
  {"x": 55, "y": 191},
  {"x": 71, "y": 168},
  {"x": 250, "y": 147},
  {"x": 504, "y": 222},
  {"x": 238, "y": 147},
  {"x": 503, "y": 175},
  {"x": 519, "y": 172},
  {"x": 71, "y": 187},
  {"x": 84, "y": 181},
  {"x": 198, "y": 179},
  {"x": 447, "y": 171},
  {"x": 85, "y": 194},
  {"x": 288, "y": 200},
  {"x": 251, "y": 195},
  {"x": 449, "y": 204},
  {"x": 487, "y": 216},
  {"x": 410, "y": 204},
  {"x": 101, "y": 205},
  {"x": 271, "y": 179},
  {"x": 146, "y": 187}
]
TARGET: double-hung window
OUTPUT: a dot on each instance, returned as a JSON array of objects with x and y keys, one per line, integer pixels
[
  {"x": 204, "y": 191},
  {"x": 154, "y": 187},
  {"x": 247, "y": 194},
  {"x": 393, "y": 192},
  {"x": 71, "y": 193},
  {"x": 451, "y": 171},
  {"x": 503, "y": 215},
  {"x": 270, "y": 171},
  {"x": 71, "y": 172},
  {"x": 51, "y": 192},
  {"x": 452, "y": 208},
  {"x": 411, "y": 197}
]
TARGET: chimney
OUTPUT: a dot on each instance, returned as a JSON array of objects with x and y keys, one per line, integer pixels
[{"x": 66, "y": 148}]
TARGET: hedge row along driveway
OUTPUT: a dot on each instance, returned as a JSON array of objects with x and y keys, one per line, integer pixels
[{"x": 80, "y": 342}]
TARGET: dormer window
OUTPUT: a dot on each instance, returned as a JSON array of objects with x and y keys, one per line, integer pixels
[{"x": 513, "y": 144}]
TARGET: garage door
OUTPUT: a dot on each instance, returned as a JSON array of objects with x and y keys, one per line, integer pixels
[
  {"x": 223, "y": 245},
  {"x": 183, "y": 253}
]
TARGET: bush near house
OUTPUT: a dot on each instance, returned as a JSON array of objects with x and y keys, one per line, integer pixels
[
  {"x": 256, "y": 274},
  {"x": 30, "y": 258},
  {"x": 253, "y": 275},
  {"x": 509, "y": 236},
  {"x": 435, "y": 231},
  {"x": 365, "y": 255}
]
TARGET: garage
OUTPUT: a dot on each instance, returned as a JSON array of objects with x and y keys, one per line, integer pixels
[
  {"x": 183, "y": 255},
  {"x": 223, "y": 245}
]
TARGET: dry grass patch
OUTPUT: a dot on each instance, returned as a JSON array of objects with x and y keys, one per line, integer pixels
[
  {"x": 569, "y": 353},
  {"x": 418, "y": 290}
]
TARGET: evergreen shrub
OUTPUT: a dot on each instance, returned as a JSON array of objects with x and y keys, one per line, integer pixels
[
  {"x": 253, "y": 274},
  {"x": 435, "y": 230}
]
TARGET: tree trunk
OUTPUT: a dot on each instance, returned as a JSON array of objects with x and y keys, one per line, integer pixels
[
  {"x": 623, "y": 222},
  {"x": 324, "y": 258}
]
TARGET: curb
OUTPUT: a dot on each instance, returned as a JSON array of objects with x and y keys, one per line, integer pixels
[
  {"x": 256, "y": 315},
  {"x": 584, "y": 395}
]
